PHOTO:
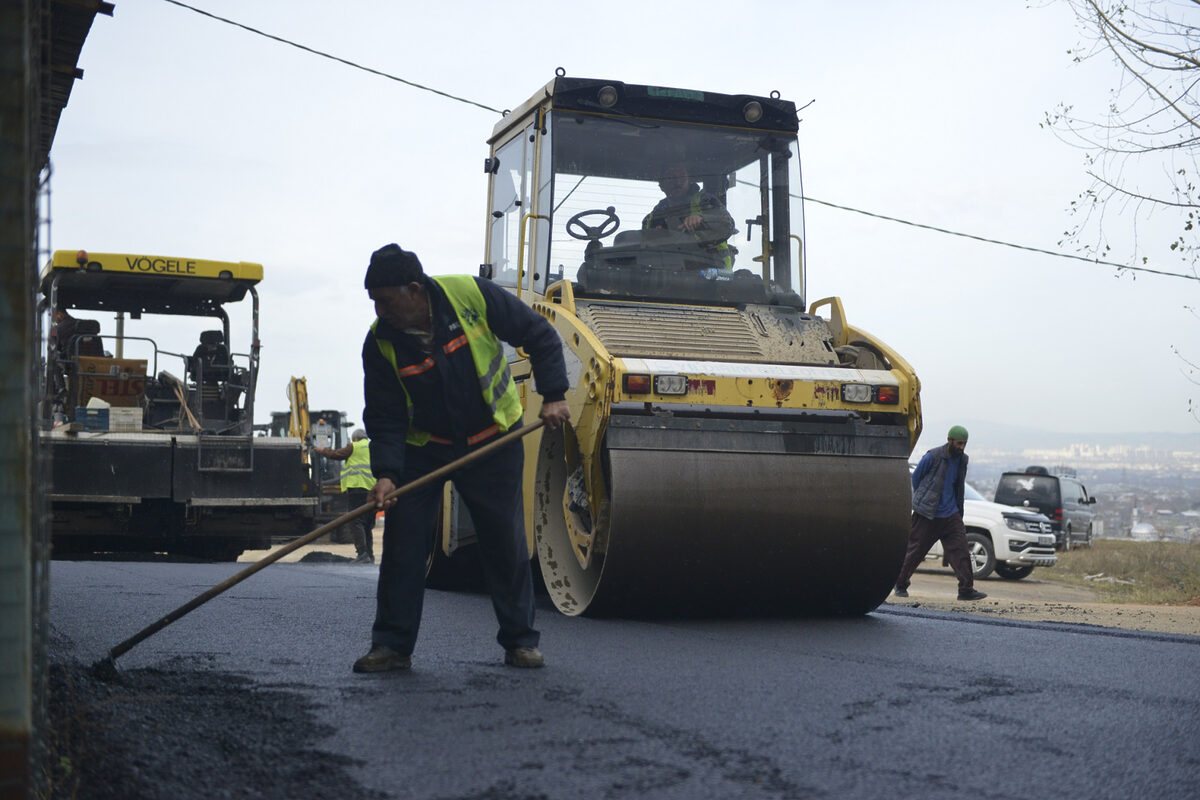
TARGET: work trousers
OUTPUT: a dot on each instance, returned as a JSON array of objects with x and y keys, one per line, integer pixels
[
  {"x": 953, "y": 535},
  {"x": 491, "y": 490},
  {"x": 364, "y": 525}
]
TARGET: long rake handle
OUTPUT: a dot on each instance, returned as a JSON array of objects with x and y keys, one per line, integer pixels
[{"x": 266, "y": 561}]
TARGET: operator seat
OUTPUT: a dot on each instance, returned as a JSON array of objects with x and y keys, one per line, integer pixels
[
  {"x": 86, "y": 339},
  {"x": 210, "y": 361}
]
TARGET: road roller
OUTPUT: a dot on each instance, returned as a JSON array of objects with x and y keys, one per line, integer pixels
[{"x": 732, "y": 450}]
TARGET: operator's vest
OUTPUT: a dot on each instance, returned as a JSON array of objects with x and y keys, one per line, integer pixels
[
  {"x": 495, "y": 381},
  {"x": 356, "y": 472},
  {"x": 721, "y": 248}
]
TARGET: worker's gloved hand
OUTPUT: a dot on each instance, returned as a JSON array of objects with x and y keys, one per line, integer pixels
[
  {"x": 383, "y": 487},
  {"x": 555, "y": 413}
]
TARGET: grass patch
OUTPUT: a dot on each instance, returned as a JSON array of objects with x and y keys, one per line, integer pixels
[{"x": 1134, "y": 572}]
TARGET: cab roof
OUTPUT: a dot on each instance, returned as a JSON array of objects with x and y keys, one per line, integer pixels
[
  {"x": 655, "y": 102},
  {"x": 136, "y": 282}
]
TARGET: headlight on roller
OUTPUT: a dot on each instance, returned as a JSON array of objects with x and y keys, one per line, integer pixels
[
  {"x": 670, "y": 384},
  {"x": 866, "y": 393},
  {"x": 856, "y": 393},
  {"x": 635, "y": 383}
]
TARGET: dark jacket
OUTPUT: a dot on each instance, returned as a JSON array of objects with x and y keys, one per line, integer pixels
[
  {"x": 447, "y": 401},
  {"x": 670, "y": 213},
  {"x": 930, "y": 476}
]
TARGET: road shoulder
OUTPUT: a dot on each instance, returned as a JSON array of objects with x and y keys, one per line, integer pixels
[{"x": 1037, "y": 599}]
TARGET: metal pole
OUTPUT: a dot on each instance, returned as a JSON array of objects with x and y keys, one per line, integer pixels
[{"x": 20, "y": 561}]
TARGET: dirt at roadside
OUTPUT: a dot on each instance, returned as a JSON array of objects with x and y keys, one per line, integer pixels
[{"x": 1038, "y": 599}]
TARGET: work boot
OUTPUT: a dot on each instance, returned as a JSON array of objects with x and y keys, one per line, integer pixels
[
  {"x": 971, "y": 594},
  {"x": 524, "y": 657},
  {"x": 363, "y": 558},
  {"x": 382, "y": 658},
  {"x": 900, "y": 592}
]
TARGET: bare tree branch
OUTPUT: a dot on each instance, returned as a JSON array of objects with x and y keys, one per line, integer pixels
[{"x": 1143, "y": 150}]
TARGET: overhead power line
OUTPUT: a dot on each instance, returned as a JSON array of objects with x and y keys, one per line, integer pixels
[
  {"x": 332, "y": 57},
  {"x": 1004, "y": 244},
  {"x": 449, "y": 96}
]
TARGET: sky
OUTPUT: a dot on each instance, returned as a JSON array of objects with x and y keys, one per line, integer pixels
[{"x": 191, "y": 137}]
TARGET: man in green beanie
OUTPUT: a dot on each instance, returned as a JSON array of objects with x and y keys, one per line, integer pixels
[{"x": 939, "y": 483}]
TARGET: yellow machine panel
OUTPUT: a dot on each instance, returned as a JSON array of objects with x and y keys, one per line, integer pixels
[{"x": 140, "y": 264}]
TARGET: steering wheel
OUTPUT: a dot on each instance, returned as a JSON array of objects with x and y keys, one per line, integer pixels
[{"x": 594, "y": 233}]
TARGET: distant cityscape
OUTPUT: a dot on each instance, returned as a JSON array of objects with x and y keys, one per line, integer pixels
[{"x": 1147, "y": 488}]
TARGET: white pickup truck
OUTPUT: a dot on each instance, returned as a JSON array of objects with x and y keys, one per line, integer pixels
[{"x": 1010, "y": 541}]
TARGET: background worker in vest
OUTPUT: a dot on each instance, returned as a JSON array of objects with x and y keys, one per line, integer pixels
[
  {"x": 939, "y": 487},
  {"x": 436, "y": 385},
  {"x": 357, "y": 482},
  {"x": 686, "y": 208}
]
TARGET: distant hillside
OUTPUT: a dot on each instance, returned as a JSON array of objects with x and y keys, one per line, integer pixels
[{"x": 999, "y": 436}]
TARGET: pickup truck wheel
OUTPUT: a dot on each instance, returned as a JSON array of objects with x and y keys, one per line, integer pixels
[
  {"x": 1067, "y": 539},
  {"x": 1088, "y": 538},
  {"x": 1011, "y": 573},
  {"x": 983, "y": 558}
]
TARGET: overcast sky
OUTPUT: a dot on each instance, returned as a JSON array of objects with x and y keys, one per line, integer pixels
[{"x": 191, "y": 137}]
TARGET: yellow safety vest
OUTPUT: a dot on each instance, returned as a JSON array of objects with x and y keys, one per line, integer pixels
[
  {"x": 495, "y": 380},
  {"x": 356, "y": 472}
]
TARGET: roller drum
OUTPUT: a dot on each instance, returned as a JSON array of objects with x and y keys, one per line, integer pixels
[{"x": 719, "y": 517}]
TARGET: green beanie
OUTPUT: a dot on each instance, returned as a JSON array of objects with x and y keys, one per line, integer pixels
[{"x": 958, "y": 432}]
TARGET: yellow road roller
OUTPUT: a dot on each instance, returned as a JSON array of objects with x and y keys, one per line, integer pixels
[{"x": 732, "y": 450}]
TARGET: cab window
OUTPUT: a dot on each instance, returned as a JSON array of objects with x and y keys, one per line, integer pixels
[{"x": 509, "y": 198}]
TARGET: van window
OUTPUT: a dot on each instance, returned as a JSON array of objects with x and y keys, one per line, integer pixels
[{"x": 1041, "y": 491}]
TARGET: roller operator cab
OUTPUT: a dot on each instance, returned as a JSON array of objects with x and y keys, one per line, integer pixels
[
  {"x": 147, "y": 417},
  {"x": 730, "y": 449}
]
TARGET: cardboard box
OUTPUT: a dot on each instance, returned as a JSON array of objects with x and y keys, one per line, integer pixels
[{"x": 116, "y": 381}]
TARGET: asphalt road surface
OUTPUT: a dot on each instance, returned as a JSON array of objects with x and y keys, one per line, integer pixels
[{"x": 252, "y": 695}]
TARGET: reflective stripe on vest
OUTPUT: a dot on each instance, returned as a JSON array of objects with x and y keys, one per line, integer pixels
[
  {"x": 496, "y": 385},
  {"x": 356, "y": 472}
]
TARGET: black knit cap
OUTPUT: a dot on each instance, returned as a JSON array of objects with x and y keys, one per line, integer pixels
[{"x": 391, "y": 265}]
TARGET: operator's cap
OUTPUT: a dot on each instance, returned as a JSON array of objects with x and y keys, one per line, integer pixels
[
  {"x": 359, "y": 433},
  {"x": 392, "y": 265},
  {"x": 958, "y": 433}
]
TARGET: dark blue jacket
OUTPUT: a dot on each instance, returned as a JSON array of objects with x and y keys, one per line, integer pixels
[
  {"x": 447, "y": 401},
  {"x": 930, "y": 476}
]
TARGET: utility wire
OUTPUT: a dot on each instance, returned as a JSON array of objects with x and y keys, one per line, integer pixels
[
  {"x": 331, "y": 57},
  {"x": 449, "y": 96},
  {"x": 1004, "y": 244}
]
